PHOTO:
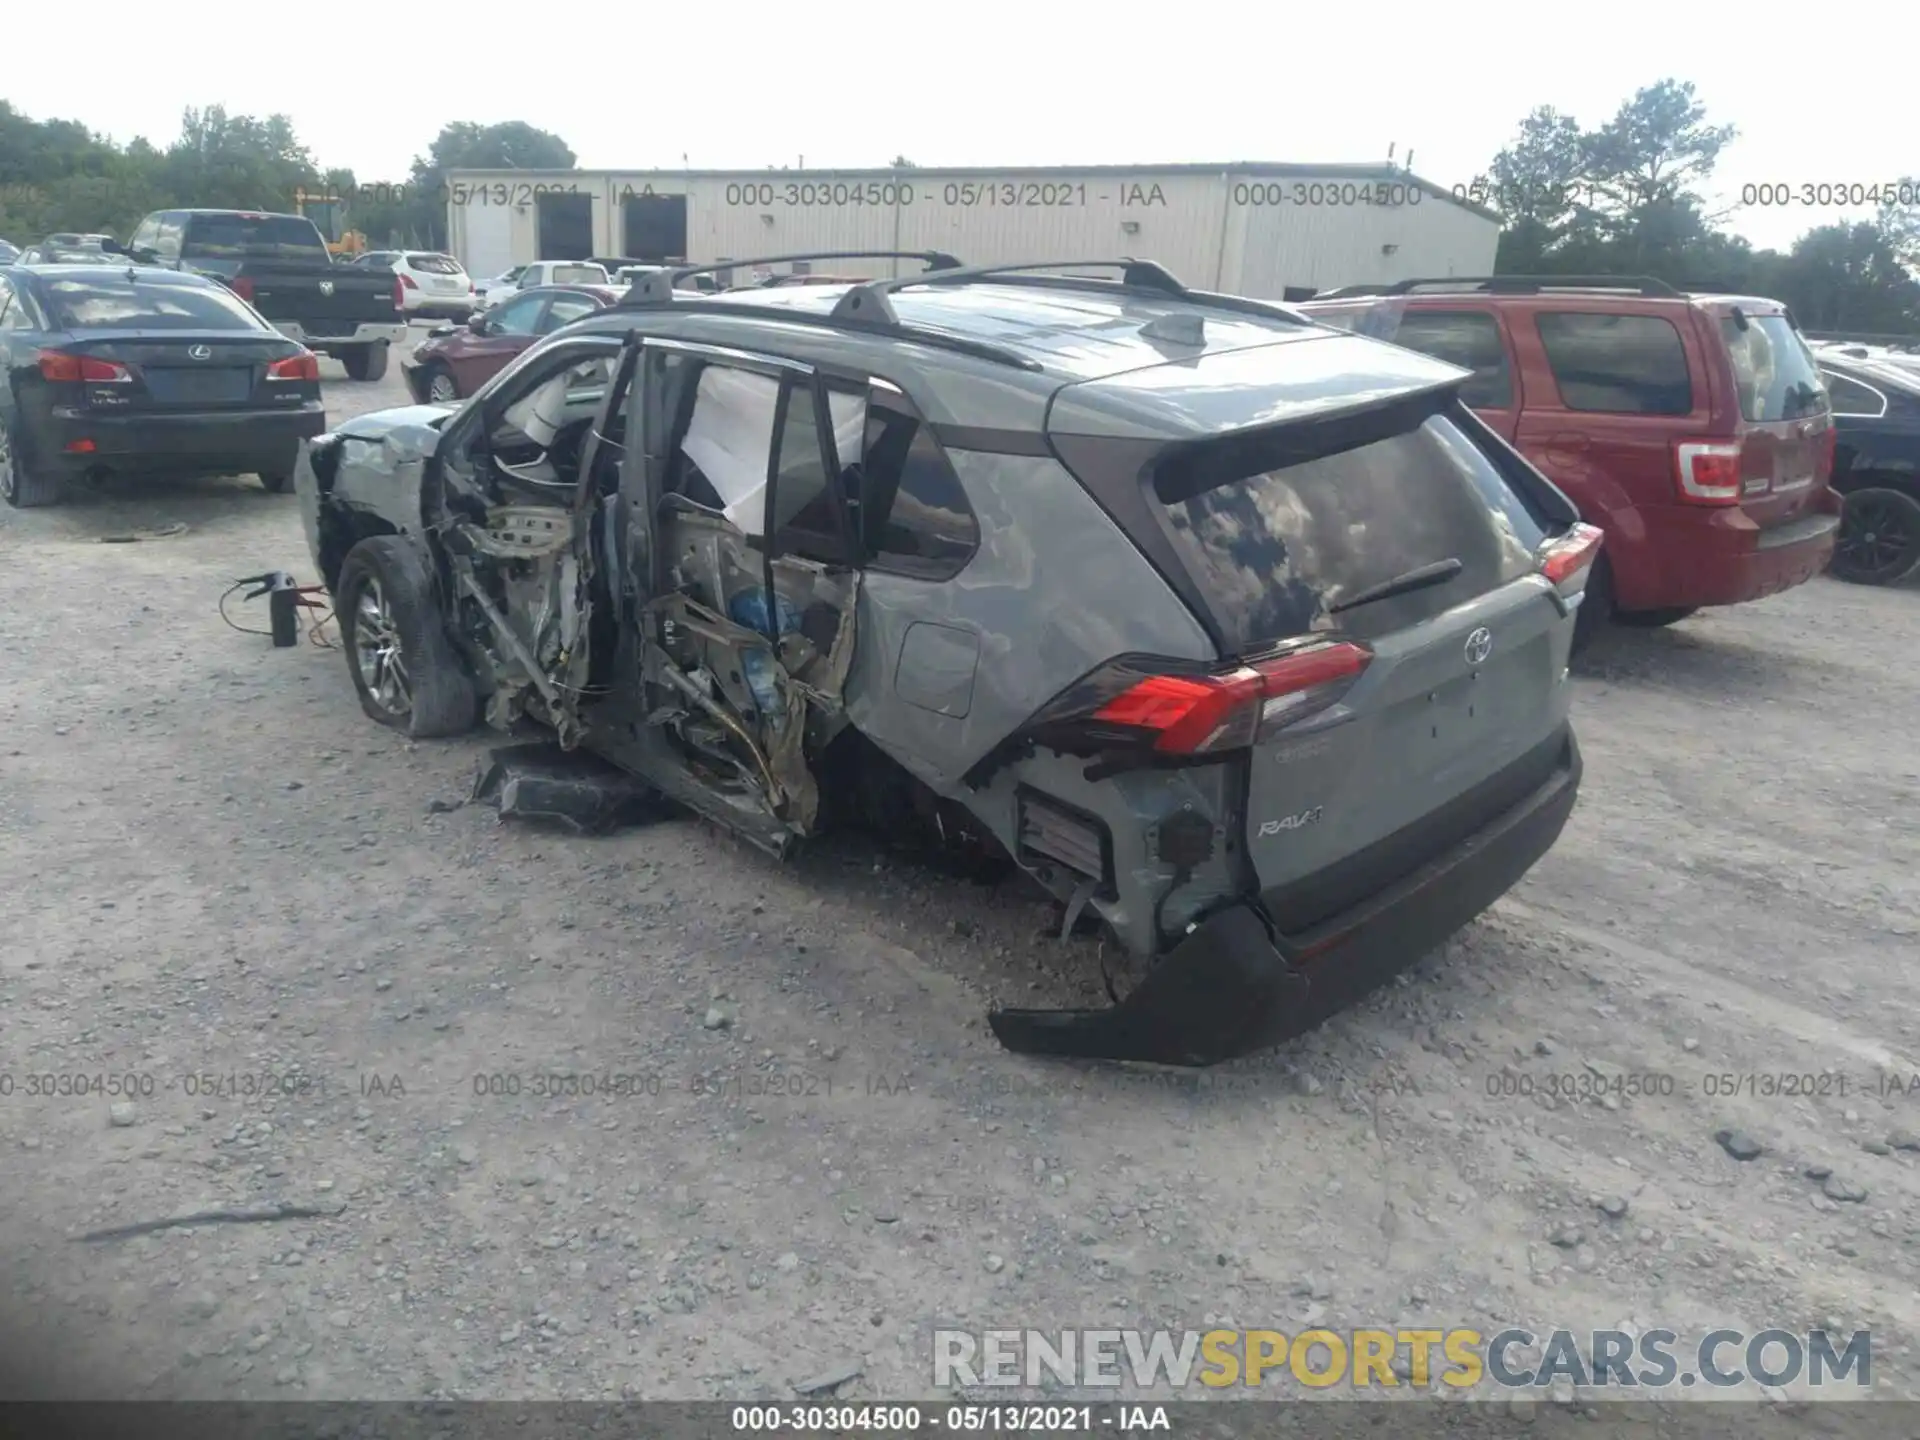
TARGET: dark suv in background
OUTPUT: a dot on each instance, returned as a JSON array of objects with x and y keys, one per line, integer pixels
[{"x": 1693, "y": 429}]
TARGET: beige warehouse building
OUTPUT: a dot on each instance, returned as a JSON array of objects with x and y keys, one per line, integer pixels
[{"x": 1251, "y": 229}]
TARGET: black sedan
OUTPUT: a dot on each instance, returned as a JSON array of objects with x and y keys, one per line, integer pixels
[
  {"x": 121, "y": 368},
  {"x": 1876, "y": 466}
]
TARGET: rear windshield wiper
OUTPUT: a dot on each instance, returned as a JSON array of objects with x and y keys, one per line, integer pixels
[{"x": 1438, "y": 573}]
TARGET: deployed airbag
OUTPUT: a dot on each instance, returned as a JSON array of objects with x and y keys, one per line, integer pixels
[{"x": 730, "y": 438}]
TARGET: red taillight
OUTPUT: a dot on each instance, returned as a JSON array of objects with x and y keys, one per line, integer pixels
[
  {"x": 80, "y": 447},
  {"x": 1208, "y": 714},
  {"x": 1709, "y": 473},
  {"x": 304, "y": 366},
  {"x": 1830, "y": 443},
  {"x": 1566, "y": 559},
  {"x": 399, "y": 293},
  {"x": 243, "y": 287},
  {"x": 73, "y": 369},
  {"x": 407, "y": 283}
]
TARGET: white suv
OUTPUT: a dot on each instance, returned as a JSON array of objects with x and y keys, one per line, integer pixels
[{"x": 431, "y": 284}]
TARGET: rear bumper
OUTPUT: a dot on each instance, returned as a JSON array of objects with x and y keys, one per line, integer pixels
[
  {"x": 208, "y": 441},
  {"x": 1233, "y": 986},
  {"x": 390, "y": 333},
  {"x": 441, "y": 307},
  {"x": 1697, "y": 556}
]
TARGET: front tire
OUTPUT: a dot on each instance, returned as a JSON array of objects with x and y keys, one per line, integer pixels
[
  {"x": 366, "y": 362},
  {"x": 21, "y": 486},
  {"x": 1879, "y": 540},
  {"x": 404, "y": 667},
  {"x": 441, "y": 388}
]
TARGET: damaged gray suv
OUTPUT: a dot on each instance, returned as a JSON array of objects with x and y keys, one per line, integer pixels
[{"x": 1240, "y": 635}]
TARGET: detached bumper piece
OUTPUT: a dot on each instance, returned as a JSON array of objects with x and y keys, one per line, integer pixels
[
  {"x": 1232, "y": 987},
  {"x": 567, "y": 787}
]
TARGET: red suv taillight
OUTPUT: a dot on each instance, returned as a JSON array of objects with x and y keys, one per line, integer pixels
[
  {"x": 304, "y": 366},
  {"x": 243, "y": 287},
  {"x": 1202, "y": 713},
  {"x": 400, "y": 286},
  {"x": 1708, "y": 472},
  {"x": 60, "y": 366},
  {"x": 1567, "y": 560}
]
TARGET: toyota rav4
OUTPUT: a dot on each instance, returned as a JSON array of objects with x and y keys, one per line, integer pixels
[{"x": 1242, "y": 636}]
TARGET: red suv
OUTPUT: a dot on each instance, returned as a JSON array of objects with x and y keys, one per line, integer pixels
[{"x": 1693, "y": 429}]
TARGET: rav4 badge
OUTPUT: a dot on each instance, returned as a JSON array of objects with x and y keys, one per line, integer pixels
[{"x": 1292, "y": 822}]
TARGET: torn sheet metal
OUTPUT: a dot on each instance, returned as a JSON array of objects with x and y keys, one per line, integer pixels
[{"x": 569, "y": 787}]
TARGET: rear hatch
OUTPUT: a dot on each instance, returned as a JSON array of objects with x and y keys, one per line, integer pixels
[
  {"x": 1278, "y": 533},
  {"x": 1784, "y": 434},
  {"x": 439, "y": 275}
]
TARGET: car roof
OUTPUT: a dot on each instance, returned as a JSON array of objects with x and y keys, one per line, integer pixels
[
  {"x": 998, "y": 355},
  {"x": 1073, "y": 333},
  {"x": 94, "y": 270},
  {"x": 1874, "y": 370}
]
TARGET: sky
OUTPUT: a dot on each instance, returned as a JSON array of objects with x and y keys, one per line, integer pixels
[{"x": 853, "y": 84}]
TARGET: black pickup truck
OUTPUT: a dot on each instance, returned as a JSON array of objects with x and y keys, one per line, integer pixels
[{"x": 281, "y": 266}]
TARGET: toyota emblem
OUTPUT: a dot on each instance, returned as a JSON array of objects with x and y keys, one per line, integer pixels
[
  {"x": 200, "y": 352},
  {"x": 1479, "y": 646}
]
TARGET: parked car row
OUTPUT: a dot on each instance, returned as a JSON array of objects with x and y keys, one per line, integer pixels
[{"x": 1308, "y": 576}]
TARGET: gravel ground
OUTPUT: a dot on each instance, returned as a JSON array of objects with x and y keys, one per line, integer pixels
[{"x": 333, "y": 988}]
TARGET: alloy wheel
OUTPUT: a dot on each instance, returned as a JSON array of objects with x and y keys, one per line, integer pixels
[
  {"x": 1876, "y": 541},
  {"x": 441, "y": 389},
  {"x": 376, "y": 650},
  {"x": 6, "y": 465}
]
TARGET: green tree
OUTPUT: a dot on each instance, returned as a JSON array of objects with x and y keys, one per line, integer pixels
[
  {"x": 417, "y": 214},
  {"x": 1628, "y": 198}
]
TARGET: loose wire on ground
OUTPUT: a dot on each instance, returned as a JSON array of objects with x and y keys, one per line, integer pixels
[{"x": 243, "y": 629}]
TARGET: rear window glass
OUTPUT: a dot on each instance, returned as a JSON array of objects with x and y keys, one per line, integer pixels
[
  {"x": 1273, "y": 549},
  {"x": 103, "y": 304},
  {"x": 579, "y": 275},
  {"x": 1773, "y": 371},
  {"x": 1469, "y": 339},
  {"x": 435, "y": 264},
  {"x": 252, "y": 237},
  {"x": 1617, "y": 364}
]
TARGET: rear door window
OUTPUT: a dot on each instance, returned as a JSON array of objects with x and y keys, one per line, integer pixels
[
  {"x": 914, "y": 515},
  {"x": 1469, "y": 339},
  {"x": 1616, "y": 364},
  {"x": 1851, "y": 397},
  {"x": 1272, "y": 548},
  {"x": 114, "y": 303},
  {"x": 1773, "y": 371},
  {"x": 252, "y": 237}
]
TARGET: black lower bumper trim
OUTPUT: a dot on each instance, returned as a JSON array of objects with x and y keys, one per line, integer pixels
[{"x": 1232, "y": 987}]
